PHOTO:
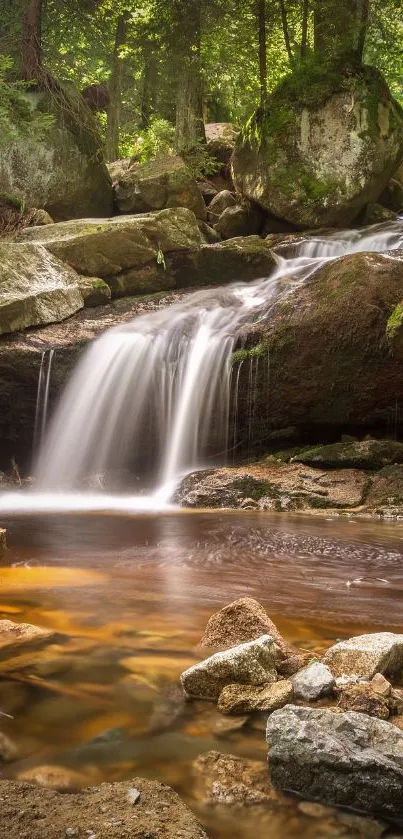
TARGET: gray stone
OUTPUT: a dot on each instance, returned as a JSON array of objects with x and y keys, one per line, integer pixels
[
  {"x": 365, "y": 655},
  {"x": 348, "y": 759},
  {"x": 222, "y": 201},
  {"x": 252, "y": 663},
  {"x": 313, "y": 681},
  {"x": 245, "y": 220},
  {"x": 157, "y": 185},
  {"x": 243, "y": 699},
  {"x": 35, "y": 287}
]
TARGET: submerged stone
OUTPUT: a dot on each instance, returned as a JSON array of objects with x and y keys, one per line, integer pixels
[
  {"x": 365, "y": 655},
  {"x": 232, "y": 780},
  {"x": 252, "y": 663},
  {"x": 348, "y": 759}
]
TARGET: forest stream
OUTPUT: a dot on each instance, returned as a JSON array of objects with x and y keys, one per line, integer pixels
[{"x": 132, "y": 594}]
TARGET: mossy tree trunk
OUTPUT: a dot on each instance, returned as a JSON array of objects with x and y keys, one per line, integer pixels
[
  {"x": 31, "y": 41},
  {"x": 189, "y": 102},
  {"x": 115, "y": 91},
  {"x": 261, "y": 16},
  {"x": 150, "y": 78},
  {"x": 340, "y": 27},
  {"x": 21, "y": 37}
]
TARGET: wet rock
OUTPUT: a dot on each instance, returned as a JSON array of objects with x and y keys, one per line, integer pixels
[
  {"x": 231, "y": 780},
  {"x": 365, "y": 655},
  {"x": 157, "y": 185},
  {"x": 168, "y": 708},
  {"x": 95, "y": 292},
  {"x": 343, "y": 824},
  {"x": 222, "y": 201},
  {"x": 252, "y": 663},
  {"x": 392, "y": 196},
  {"x": 313, "y": 682},
  {"x": 15, "y": 636},
  {"x": 244, "y": 220},
  {"x": 241, "y": 699},
  {"x": 376, "y": 214},
  {"x": 225, "y": 726},
  {"x": 348, "y": 759},
  {"x": 100, "y": 812},
  {"x": 364, "y": 699},
  {"x": 284, "y": 158},
  {"x": 386, "y": 490},
  {"x": 242, "y": 620},
  {"x": 369, "y": 454}
]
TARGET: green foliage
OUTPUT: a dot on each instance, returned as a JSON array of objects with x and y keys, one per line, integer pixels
[
  {"x": 395, "y": 321},
  {"x": 200, "y": 162},
  {"x": 16, "y": 117},
  {"x": 153, "y": 142}
]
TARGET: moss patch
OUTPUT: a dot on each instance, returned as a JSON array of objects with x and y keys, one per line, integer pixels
[{"x": 395, "y": 321}]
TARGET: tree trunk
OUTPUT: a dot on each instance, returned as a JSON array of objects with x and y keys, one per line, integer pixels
[
  {"x": 149, "y": 92},
  {"x": 31, "y": 40},
  {"x": 340, "y": 27},
  {"x": 286, "y": 33},
  {"x": 189, "y": 103},
  {"x": 261, "y": 14},
  {"x": 115, "y": 92},
  {"x": 304, "y": 38}
]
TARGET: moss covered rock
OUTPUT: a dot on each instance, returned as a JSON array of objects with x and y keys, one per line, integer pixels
[
  {"x": 161, "y": 183},
  {"x": 368, "y": 454},
  {"x": 64, "y": 172},
  {"x": 324, "y": 147}
]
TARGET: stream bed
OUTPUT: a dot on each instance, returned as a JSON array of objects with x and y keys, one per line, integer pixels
[{"x": 131, "y": 594}]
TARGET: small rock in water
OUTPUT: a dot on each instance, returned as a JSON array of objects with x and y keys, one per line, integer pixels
[
  {"x": 313, "y": 682},
  {"x": 227, "y": 725},
  {"x": 133, "y": 795},
  {"x": 240, "y": 699},
  {"x": 243, "y": 620},
  {"x": 363, "y": 698},
  {"x": 366, "y": 655},
  {"x": 348, "y": 759},
  {"x": 229, "y": 779},
  {"x": 250, "y": 664}
]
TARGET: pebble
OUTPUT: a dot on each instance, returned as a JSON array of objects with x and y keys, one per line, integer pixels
[
  {"x": 133, "y": 795},
  {"x": 70, "y": 832}
]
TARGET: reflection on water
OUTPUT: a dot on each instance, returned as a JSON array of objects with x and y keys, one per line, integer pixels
[{"x": 132, "y": 595}]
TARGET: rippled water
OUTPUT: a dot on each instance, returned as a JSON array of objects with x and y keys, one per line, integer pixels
[{"x": 132, "y": 594}]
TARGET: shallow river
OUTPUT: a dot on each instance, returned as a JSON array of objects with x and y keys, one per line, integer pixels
[{"x": 133, "y": 595}]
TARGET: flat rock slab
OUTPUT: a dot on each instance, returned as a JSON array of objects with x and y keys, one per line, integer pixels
[
  {"x": 110, "y": 811},
  {"x": 313, "y": 682},
  {"x": 365, "y": 655},
  {"x": 16, "y": 635},
  {"x": 243, "y": 620},
  {"x": 249, "y": 664},
  {"x": 348, "y": 759},
  {"x": 242, "y": 699}
]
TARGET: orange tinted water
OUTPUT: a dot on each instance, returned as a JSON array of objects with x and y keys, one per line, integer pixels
[{"x": 131, "y": 596}]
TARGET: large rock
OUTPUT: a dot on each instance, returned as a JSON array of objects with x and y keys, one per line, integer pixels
[
  {"x": 320, "y": 152},
  {"x": 349, "y": 759},
  {"x": 243, "y": 220},
  {"x": 368, "y": 454},
  {"x": 221, "y": 137},
  {"x": 131, "y": 808},
  {"x": 365, "y": 655},
  {"x": 252, "y": 663},
  {"x": 161, "y": 183},
  {"x": 35, "y": 287},
  {"x": 243, "y": 620},
  {"x": 63, "y": 172}
]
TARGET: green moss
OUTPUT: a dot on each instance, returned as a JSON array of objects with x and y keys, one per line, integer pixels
[
  {"x": 395, "y": 321},
  {"x": 257, "y": 351},
  {"x": 12, "y": 201}
]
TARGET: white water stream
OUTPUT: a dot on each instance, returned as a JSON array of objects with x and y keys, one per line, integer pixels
[{"x": 162, "y": 381}]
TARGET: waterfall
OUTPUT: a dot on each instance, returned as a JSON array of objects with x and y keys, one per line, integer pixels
[
  {"x": 42, "y": 398},
  {"x": 161, "y": 383}
]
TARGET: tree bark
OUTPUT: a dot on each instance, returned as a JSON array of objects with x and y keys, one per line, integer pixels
[
  {"x": 149, "y": 92},
  {"x": 286, "y": 33},
  {"x": 189, "y": 102},
  {"x": 261, "y": 14},
  {"x": 31, "y": 40},
  {"x": 304, "y": 38},
  {"x": 340, "y": 27},
  {"x": 115, "y": 91}
]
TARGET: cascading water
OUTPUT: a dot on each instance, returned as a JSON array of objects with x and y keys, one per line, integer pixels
[
  {"x": 42, "y": 398},
  {"x": 161, "y": 384}
]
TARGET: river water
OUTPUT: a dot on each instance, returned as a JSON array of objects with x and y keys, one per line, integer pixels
[{"x": 130, "y": 595}]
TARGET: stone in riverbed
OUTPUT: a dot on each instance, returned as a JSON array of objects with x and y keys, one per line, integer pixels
[
  {"x": 313, "y": 682},
  {"x": 249, "y": 664},
  {"x": 367, "y": 454},
  {"x": 348, "y": 759},
  {"x": 363, "y": 698},
  {"x": 241, "y": 699},
  {"x": 157, "y": 185},
  {"x": 365, "y": 655},
  {"x": 229, "y": 779},
  {"x": 242, "y": 620},
  {"x": 14, "y": 636}
]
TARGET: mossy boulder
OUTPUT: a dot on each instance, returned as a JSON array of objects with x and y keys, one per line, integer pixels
[
  {"x": 161, "y": 183},
  {"x": 368, "y": 454},
  {"x": 324, "y": 147},
  {"x": 64, "y": 172},
  {"x": 35, "y": 287}
]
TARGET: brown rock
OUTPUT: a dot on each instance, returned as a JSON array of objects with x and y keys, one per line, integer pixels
[
  {"x": 243, "y": 620},
  {"x": 227, "y": 779},
  {"x": 15, "y": 635},
  {"x": 364, "y": 699},
  {"x": 105, "y": 811},
  {"x": 241, "y": 699},
  {"x": 291, "y": 664},
  {"x": 381, "y": 685},
  {"x": 54, "y": 777}
]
